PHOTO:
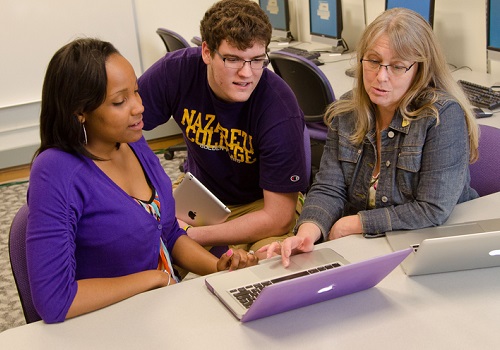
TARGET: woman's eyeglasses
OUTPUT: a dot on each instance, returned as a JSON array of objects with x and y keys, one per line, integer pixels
[{"x": 393, "y": 69}]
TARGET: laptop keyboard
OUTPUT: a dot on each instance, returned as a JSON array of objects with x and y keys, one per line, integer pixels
[{"x": 246, "y": 295}]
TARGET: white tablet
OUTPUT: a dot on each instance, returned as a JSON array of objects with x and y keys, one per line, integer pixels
[{"x": 196, "y": 205}]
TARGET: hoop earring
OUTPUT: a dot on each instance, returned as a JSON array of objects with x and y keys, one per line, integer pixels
[{"x": 84, "y": 134}]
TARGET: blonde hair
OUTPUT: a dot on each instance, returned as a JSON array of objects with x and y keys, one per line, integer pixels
[{"x": 411, "y": 38}]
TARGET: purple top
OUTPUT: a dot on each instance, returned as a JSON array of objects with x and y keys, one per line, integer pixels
[
  {"x": 82, "y": 225},
  {"x": 235, "y": 149}
]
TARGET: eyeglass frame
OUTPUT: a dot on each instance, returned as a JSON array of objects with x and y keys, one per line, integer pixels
[
  {"x": 265, "y": 61},
  {"x": 387, "y": 67}
]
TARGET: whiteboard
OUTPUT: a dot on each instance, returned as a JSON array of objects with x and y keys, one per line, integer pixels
[{"x": 31, "y": 31}]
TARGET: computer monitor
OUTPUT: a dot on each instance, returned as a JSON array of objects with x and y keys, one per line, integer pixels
[
  {"x": 325, "y": 19},
  {"x": 424, "y": 7},
  {"x": 493, "y": 18},
  {"x": 279, "y": 16}
]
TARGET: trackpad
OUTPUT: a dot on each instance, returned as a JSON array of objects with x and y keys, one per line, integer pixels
[{"x": 275, "y": 268}]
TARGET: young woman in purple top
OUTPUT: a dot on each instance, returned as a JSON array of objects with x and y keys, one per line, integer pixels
[{"x": 101, "y": 224}]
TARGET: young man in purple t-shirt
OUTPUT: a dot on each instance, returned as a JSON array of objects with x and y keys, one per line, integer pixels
[{"x": 241, "y": 123}]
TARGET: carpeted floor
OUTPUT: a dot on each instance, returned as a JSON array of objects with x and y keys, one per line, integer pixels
[{"x": 12, "y": 197}]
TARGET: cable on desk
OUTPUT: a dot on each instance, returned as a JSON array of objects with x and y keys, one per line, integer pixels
[{"x": 462, "y": 67}]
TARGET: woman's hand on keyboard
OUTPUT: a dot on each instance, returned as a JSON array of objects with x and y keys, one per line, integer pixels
[{"x": 301, "y": 243}]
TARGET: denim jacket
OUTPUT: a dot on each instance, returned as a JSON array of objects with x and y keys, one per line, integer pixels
[{"x": 424, "y": 173}]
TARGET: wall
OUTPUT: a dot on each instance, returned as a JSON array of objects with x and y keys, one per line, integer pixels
[
  {"x": 31, "y": 31},
  {"x": 460, "y": 26},
  {"x": 182, "y": 17}
]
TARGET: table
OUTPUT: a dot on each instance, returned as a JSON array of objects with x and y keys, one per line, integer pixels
[{"x": 458, "y": 310}]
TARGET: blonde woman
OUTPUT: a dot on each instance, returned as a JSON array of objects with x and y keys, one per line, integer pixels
[{"x": 399, "y": 144}]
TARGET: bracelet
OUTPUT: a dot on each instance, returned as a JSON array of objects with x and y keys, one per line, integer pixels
[
  {"x": 187, "y": 227},
  {"x": 168, "y": 277}
]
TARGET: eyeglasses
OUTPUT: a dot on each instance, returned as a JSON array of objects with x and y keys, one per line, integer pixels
[
  {"x": 238, "y": 63},
  {"x": 393, "y": 69}
]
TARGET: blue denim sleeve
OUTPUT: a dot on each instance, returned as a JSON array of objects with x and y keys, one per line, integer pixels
[{"x": 327, "y": 197}]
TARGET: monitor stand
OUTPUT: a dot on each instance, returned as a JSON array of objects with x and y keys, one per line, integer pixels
[
  {"x": 281, "y": 37},
  {"x": 340, "y": 47}
]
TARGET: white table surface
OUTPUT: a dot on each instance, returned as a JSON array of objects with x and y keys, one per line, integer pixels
[{"x": 458, "y": 310}]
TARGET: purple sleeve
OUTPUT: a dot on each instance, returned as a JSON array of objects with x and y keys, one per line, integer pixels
[
  {"x": 50, "y": 238},
  {"x": 282, "y": 159}
]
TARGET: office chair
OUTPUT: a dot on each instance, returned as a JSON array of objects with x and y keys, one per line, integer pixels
[
  {"x": 485, "y": 172},
  {"x": 196, "y": 40},
  {"x": 307, "y": 149},
  {"x": 313, "y": 92},
  {"x": 17, "y": 252},
  {"x": 173, "y": 42}
]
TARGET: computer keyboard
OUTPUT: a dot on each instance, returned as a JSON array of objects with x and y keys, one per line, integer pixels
[
  {"x": 247, "y": 295},
  {"x": 309, "y": 55},
  {"x": 481, "y": 96}
]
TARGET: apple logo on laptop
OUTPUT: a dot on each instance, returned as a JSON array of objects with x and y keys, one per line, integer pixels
[
  {"x": 192, "y": 214},
  {"x": 495, "y": 252},
  {"x": 326, "y": 289}
]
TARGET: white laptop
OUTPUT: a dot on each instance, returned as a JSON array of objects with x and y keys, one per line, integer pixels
[
  {"x": 447, "y": 248},
  {"x": 196, "y": 205},
  {"x": 269, "y": 288}
]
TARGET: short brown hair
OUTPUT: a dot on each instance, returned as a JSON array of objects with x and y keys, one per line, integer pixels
[{"x": 241, "y": 22}]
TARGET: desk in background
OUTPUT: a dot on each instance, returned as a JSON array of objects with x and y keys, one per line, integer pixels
[
  {"x": 458, "y": 310},
  {"x": 335, "y": 67}
]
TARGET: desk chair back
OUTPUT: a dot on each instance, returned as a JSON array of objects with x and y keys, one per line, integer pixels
[
  {"x": 307, "y": 149},
  {"x": 485, "y": 172},
  {"x": 172, "y": 40},
  {"x": 17, "y": 252},
  {"x": 309, "y": 84},
  {"x": 313, "y": 92},
  {"x": 196, "y": 40}
]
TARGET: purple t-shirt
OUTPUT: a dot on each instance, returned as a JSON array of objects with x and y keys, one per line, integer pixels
[
  {"x": 82, "y": 225},
  {"x": 235, "y": 149}
]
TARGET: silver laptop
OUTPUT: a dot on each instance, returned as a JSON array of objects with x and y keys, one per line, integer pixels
[
  {"x": 196, "y": 205},
  {"x": 447, "y": 248},
  {"x": 269, "y": 288}
]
